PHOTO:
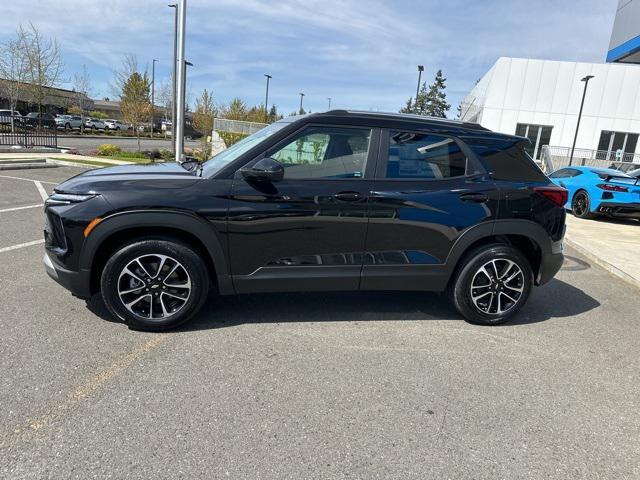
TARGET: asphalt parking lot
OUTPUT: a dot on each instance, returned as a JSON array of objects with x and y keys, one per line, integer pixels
[{"x": 296, "y": 386}]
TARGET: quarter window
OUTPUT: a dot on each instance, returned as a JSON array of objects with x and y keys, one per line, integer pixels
[
  {"x": 325, "y": 152},
  {"x": 421, "y": 155}
]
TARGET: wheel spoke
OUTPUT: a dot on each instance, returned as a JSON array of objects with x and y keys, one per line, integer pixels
[
  {"x": 174, "y": 296},
  {"x": 137, "y": 260},
  {"x": 163, "y": 259},
  {"x": 510, "y": 298},
  {"x": 130, "y": 304},
  {"x": 129, "y": 272},
  {"x": 131, "y": 290}
]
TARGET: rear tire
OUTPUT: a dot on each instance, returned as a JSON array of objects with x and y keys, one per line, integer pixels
[
  {"x": 581, "y": 205},
  {"x": 492, "y": 284},
  {"x": 134, "y": 290}
]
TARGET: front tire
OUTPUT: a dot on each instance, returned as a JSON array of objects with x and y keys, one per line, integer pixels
[
  {"x": 154, "y": 285},
  {"x": 492, "y": 285}
]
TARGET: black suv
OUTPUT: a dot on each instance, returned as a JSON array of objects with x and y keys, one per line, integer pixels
[{"x": 331, "y": 201}]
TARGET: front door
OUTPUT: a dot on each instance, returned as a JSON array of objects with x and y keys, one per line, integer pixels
[
  {"x": 307, "y": 231},
  {"x": 427, "y": 193}
]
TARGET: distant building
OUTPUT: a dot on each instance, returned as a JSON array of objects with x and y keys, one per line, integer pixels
[
  {"x": 624, "y": 46},
  {"x": 540, "y": 99},
  {"x": 56, "y": 100}
]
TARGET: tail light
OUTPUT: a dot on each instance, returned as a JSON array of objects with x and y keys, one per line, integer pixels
[
  {"x": 556, "y": 195},
  {"x": 612, "y": 188}
]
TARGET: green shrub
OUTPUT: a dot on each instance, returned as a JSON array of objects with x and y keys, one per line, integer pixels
[
  {"x": 231, "y": 138},
  {"x": 132, "y": 155},
  {"x": 108, "y": 150},
  {"x": 96, "y": 114}
]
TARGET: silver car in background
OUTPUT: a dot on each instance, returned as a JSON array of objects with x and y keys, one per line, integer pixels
[
  {"x": 68, "y": 122},
  {"x": 116, "y": 125},
  {"x": 94, "y": 124}
]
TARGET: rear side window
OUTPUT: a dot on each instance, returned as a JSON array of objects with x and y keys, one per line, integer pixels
[
  {"x": 424, "y": 156},
  {"x": 506, "y": 159}
]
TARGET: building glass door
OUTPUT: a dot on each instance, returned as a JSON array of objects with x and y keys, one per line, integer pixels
[{"x": 538, "y": 136}]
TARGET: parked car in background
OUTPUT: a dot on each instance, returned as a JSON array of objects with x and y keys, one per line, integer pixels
[
  {"x": 116, "y": 125},
  {"x": 599, "y": 191},
  {"x": 94, "y": 124},
  {"x": 68, "y": 122},
  {"x": 35, "y": 119},
  {"x": 6, "y": 115},
  {"x": 330, "y": 201}
]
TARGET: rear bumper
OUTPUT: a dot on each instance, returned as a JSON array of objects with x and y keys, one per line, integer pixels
[
  {"x": 78, "y": 283},
  {"x": 550, "y": 263},
  {"x": 626, "y": 210}
]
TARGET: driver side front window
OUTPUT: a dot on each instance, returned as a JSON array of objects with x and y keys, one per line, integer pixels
[{"x": 325, "y": 152}]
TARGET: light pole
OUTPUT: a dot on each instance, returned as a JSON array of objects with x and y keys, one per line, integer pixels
[
  {"x": 173, "y": 75},
  {"x": 584, "y": 93},
  {"x": 266, "y": 98},
  {"x": 329, "y": 98},
  {"x": 301, "y": 97},
  {"x": 180, "y": 82},
  {"x": 153, "y": 93},
  {"x": 420, "y": 70}
]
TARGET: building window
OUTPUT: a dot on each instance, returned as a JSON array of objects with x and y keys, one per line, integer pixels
[
  {"x": 617, "y": 144},
  {"x": 538, "y": 135}
]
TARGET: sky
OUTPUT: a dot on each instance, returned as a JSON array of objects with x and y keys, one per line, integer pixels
[{"x": 361, "y": 53}]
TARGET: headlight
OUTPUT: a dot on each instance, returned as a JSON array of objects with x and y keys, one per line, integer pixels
[{"x": 68, "y": 198}]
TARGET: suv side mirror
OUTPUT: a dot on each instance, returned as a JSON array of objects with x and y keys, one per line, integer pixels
[{"x": 265, "y": 170}]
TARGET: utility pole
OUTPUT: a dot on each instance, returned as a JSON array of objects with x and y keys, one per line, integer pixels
[
  {"x": 178, "y": 128},
  {"x": 301, "y": 97},
  {"x": 329, "y": 98},
  {"x": 153, "y": 94},
  {"x": 173, "y": 76},
  {"x": 584, "y": 93},
  {"x": 266, "y": 99},
  {"x": 420, "y": 70}
]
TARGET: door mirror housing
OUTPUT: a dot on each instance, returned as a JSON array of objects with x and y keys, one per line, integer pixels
[{"x": 265, "y": 170}]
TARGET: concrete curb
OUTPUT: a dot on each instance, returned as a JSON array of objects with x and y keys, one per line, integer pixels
[
  {"x": 64, "y": 163},
  {"x": 612, "y": 269}
]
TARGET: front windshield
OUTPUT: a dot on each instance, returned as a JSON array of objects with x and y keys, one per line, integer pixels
[{"x": 224, "y": 158}]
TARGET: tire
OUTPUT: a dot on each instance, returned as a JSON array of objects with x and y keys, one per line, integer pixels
[
  {"x": 581, "y": 205},
  {"x": 174, "y": 299},
  {"x": 469, "y": 282}
]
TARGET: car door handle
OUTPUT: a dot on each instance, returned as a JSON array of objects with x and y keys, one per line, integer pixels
[
  {"x": 348, "y": 196},
  {"x": 474, "y": 197}
]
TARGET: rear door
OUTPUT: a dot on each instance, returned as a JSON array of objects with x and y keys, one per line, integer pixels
[
  {"x": 306, "y": 232},
  {"x": 427, "y": 192}
]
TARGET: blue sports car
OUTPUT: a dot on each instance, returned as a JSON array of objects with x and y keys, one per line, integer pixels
[{"x": 599, "y": 191}]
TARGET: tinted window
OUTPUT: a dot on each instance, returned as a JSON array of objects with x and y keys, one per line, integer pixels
[
  {"x": 418, "y": 155},
  {"x": 506, "y": 159},
  {"x": 565, "y": 173},
  {"x": 325, "y": 152}
]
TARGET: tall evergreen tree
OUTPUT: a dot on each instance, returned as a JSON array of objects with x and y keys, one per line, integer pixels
[{"x": 436, "y": 102}]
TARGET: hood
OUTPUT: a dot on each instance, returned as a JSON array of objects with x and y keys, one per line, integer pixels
[{"x": 168, "y": 175}]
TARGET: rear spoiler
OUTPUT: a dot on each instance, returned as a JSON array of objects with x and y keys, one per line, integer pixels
[{"x": 607, "y": 177}]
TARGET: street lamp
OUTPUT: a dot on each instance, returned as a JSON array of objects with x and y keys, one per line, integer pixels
[
  {"x": 178, "y": 128},
  {"x": 173, "y": 74},
  {"x": 329, "y": 98},
  {"x": 266, "y": 97},
  {"x": 584, "y": 93},
  {"x": 153, "y": 92},
  {"x": 301, "y": 97},
  {"x": 420, "y": 70}
]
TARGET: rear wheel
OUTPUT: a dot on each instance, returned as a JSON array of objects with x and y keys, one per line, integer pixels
[
  {"x": 154, "y": 285},
  {"x": 581, "y": 205},
  {"x": 493, "y": 284}
]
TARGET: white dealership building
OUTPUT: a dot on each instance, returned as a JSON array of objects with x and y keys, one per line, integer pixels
[{"x": 540, "y": 99}]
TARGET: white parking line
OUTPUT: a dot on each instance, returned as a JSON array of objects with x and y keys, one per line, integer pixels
[
  {"x": 21, "y": 245},
  {"x": 41, "y": 190},
  {"x": 13, "y": 209},
  {"x": 28, "y": 179}
]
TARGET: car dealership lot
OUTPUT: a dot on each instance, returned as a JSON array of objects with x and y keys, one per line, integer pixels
[{"x": 367, "y": 385}]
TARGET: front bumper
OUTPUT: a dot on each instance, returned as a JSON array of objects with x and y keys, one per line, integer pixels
[
  {"x": 613, "y": 209},
  {"x": 78, "y": 283}
]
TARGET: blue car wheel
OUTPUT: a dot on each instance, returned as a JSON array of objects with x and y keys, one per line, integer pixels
[{"x": 581, "y": 205}]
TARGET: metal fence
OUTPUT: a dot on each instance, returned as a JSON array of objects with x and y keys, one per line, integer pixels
[
  {"x": 553, "y": 158},
  {"x": 27, "y": 132},
  {"x": 236, "y": 126}
]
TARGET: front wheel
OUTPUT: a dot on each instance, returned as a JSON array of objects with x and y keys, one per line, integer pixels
[
  {"x": 154, "y": 285},
  {"x": 493, "y": 284}
]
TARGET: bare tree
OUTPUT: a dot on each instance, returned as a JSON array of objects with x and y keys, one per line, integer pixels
[
  {"x": 44, "y": 61},
  {"x": 14, "y": 69},
  {"x": 164, "y": 96},
  {"x": 82, "y": 88},
  {"x": 121, "y": 75}
]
